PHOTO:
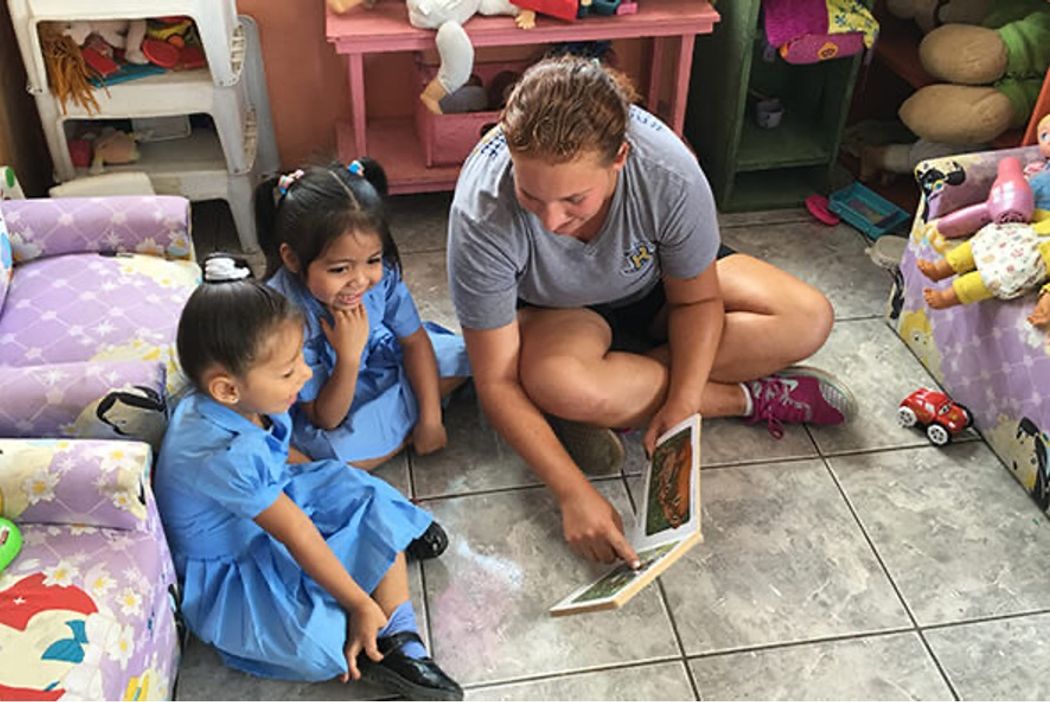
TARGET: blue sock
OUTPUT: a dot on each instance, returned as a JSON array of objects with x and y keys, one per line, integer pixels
[{"x": 404, "y": 619}]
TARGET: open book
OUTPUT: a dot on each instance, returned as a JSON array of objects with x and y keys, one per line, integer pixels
[{"x": 667, "y": 526}]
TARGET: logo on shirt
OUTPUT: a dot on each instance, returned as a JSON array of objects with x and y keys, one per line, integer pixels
[{"x": 639, "y": 257}]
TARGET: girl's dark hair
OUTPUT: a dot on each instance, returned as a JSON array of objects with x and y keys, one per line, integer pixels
[
  {"x": 226, "y": 323},
  {"x": 567, "y": 105},
  {"x": 310, "y": 211}
]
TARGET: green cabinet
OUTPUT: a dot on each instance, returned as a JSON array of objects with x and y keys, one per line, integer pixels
[{"x": 751, "y": 167}]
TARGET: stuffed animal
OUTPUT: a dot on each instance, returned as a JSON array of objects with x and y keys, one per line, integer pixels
[
  {"x": 990, "y": 74},
  {"x": 453, "y": 43},
  {"x": 114, "y": 147},
  {"x": 120, "y": 34}
]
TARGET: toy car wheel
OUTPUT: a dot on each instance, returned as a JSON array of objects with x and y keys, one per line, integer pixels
[
  {"x": 906, "y": 416},
  {"x": 938, "y": 435},
  {"x": 968, "y": 413}
]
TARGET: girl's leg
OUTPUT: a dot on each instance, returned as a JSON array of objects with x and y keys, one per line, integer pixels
[
  {"x": 371, "y": 464},
  {"x": 391, "y": 594},
  {"x": 449, "y": 385}
]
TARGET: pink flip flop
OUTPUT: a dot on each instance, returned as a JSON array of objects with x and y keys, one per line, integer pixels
[{"x": 818, "y": 207}]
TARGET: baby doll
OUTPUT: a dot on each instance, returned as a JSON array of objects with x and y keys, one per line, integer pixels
[
  {"x": 1000, "y": 260},
  {"x": 1038, "y": 172},
  {"x": 453, "y": 43}
]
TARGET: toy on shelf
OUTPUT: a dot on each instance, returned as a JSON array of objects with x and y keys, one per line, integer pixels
[
  {"x": 10, "y": 542},
  {"x": 453, "y": 42},
  {"x": 936, "y": 413},
  {"x": 126, "y": 35},
  {"x": 1010, "y": 199},
  {"x": 567, "y": 10},
  {"x": 68, "y": 73},
  {"x": 114, "y": 147}
]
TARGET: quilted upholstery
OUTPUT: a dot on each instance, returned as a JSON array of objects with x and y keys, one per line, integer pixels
[
  {"x": 6, "y": 261},
  {"x": 985, "y": 355}
]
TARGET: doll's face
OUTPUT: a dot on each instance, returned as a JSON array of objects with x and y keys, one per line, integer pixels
[
  {"x": 568, "y": 198},
  {"x": 1043, "y": 134}
]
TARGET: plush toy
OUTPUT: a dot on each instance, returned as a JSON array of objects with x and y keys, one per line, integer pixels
[
  {"x": 1038, "y": 172},
  {"x": 119, "y": 34},
  {"x": 113, "y": 146},
  {"x": 990, "y": 74},
  {"x": 453, "y": 43},
  {"x": 10, "y": 542}
]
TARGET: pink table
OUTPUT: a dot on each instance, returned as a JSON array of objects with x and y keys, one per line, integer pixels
[{"x": 385, "y": 28}]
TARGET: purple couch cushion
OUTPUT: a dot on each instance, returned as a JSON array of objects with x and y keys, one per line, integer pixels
[
  {"x": 81, "y": 307},
  {"x": 91, "y": 399},
  {"x": 87, "y": 483}
]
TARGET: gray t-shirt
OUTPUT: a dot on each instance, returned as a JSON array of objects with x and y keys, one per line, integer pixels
[{"x": 662, "y": 222}]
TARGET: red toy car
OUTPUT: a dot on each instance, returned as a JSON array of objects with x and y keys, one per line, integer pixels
[{"x": 935, "y": 411}]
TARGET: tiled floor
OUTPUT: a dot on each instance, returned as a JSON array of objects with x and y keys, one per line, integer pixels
[{"x": 847, "y": 563}]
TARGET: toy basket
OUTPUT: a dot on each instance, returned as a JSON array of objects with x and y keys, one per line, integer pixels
[{"x": 868, "y": 211}]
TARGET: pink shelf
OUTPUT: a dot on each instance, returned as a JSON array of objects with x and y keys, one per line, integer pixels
[
  {"x": 385, "y": 27},
  {"x": 394, "y": 143},
  {"x": 671, "y": 24}
]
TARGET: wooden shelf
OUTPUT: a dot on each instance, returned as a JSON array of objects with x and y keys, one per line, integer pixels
[
  {"x": 797, "y": 141},
  {"x": 774, "y": 189},
  {"x": 394, "y": 143},
  {"x": 898, "y": 49}
]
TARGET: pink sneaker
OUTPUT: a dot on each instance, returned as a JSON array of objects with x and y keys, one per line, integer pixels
[{"x": 799, "y": 394}]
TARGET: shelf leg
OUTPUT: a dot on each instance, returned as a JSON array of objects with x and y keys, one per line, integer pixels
[
  {"x": 656, "y": 70},
  {"x": 357, "y": 101},
  {"x": 681, "y": 90}
]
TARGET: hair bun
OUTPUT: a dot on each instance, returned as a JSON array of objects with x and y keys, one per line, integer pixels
[{"x": 224, "y": 268}]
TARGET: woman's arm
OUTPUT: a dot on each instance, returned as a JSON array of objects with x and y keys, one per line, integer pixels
[
  {"x": 696, "y": 316},
  {"x": 421, "y": 366},
  {"x": 591, "y": 525}
]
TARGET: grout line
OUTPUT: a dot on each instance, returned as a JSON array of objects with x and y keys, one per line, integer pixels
[
  {"x": 603, "y": 667},
  {"x": 889, "y": 577},
  {"x": 987, "y": 619},
  {"x": 757, "y": 648},
  {"x": 662, "y": 594},
  {"x": 508, "y": 488}
]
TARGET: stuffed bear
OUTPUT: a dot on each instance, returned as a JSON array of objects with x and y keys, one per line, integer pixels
[{"x": 991, "y": 74}]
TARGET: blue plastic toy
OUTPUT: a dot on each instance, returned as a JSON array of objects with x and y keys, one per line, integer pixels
[{"x": 866, "y": 210}]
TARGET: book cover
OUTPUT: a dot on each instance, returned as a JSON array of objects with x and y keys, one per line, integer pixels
[{"x": 667, "y": 526}]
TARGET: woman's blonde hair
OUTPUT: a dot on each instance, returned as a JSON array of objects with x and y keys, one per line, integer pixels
[{"x": 564, "y": 106}]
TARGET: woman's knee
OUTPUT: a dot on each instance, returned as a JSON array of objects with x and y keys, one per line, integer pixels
[
  {"x": 814, "y": 316},
  {"x": 560, "y": 386}
]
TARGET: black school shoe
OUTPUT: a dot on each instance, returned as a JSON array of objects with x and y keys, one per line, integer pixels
[
  {"x": 415, "y": 679},
  {"x": 430, "y": 544}
]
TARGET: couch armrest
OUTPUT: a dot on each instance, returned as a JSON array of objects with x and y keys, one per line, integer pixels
[
  {"x": 154, "y": 224},
  {"x": 83, "y": 482},
  {"x": 90, "y": 400},
  {"x": 953, "y": 182}
]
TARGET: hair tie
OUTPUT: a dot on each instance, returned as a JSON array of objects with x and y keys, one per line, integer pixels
[
  {"x": 223, "y": 268},
  {"x": 285, "y": 182},
  {"x": 356, "y": 168}
]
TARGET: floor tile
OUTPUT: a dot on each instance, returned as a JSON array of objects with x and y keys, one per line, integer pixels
[
  {"x": 783, "y": 560},
  {"x": 202, "y": 676},
  {"x": 832, "y": 259},
  {"x": 419, "y": 222},
  {"x": 662, "y": 681},
  {"x": 475, "y": 459},
  {"x": 728, "y": 220},
  {"x": 881, "y": 372},
  {"x": 958, "y": 535},
  {"x": 507, "y": 563},
  {"x": 996, "y": 660},
  {"x": 427, "y": 280},
  {"x": 395, "y": 472},
  {"x": 892, "y": 667}
]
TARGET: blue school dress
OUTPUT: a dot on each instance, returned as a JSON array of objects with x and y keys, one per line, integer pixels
[
  {"x": 242, "y": 591},
  {"x": 384, "y": 409}
]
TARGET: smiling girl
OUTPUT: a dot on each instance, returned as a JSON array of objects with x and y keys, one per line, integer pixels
[{"x": 379, "y": 373}]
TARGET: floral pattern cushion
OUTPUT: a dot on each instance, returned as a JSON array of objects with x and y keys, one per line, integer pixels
[{"x": 86, "y": 483}]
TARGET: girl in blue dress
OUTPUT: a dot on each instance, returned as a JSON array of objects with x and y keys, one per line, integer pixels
[
  {"x": 290, "y": 571},
  {"x": 379, "y": 373}
]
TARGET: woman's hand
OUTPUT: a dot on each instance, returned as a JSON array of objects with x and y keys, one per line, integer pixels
[
  {"x": 348, "y": 333},
  {"x": 428, "y": 437},
  {"x": 666, "y": 417},
  {"x": 365, "y": 621},
  {"x": 593, "y": 528}
]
